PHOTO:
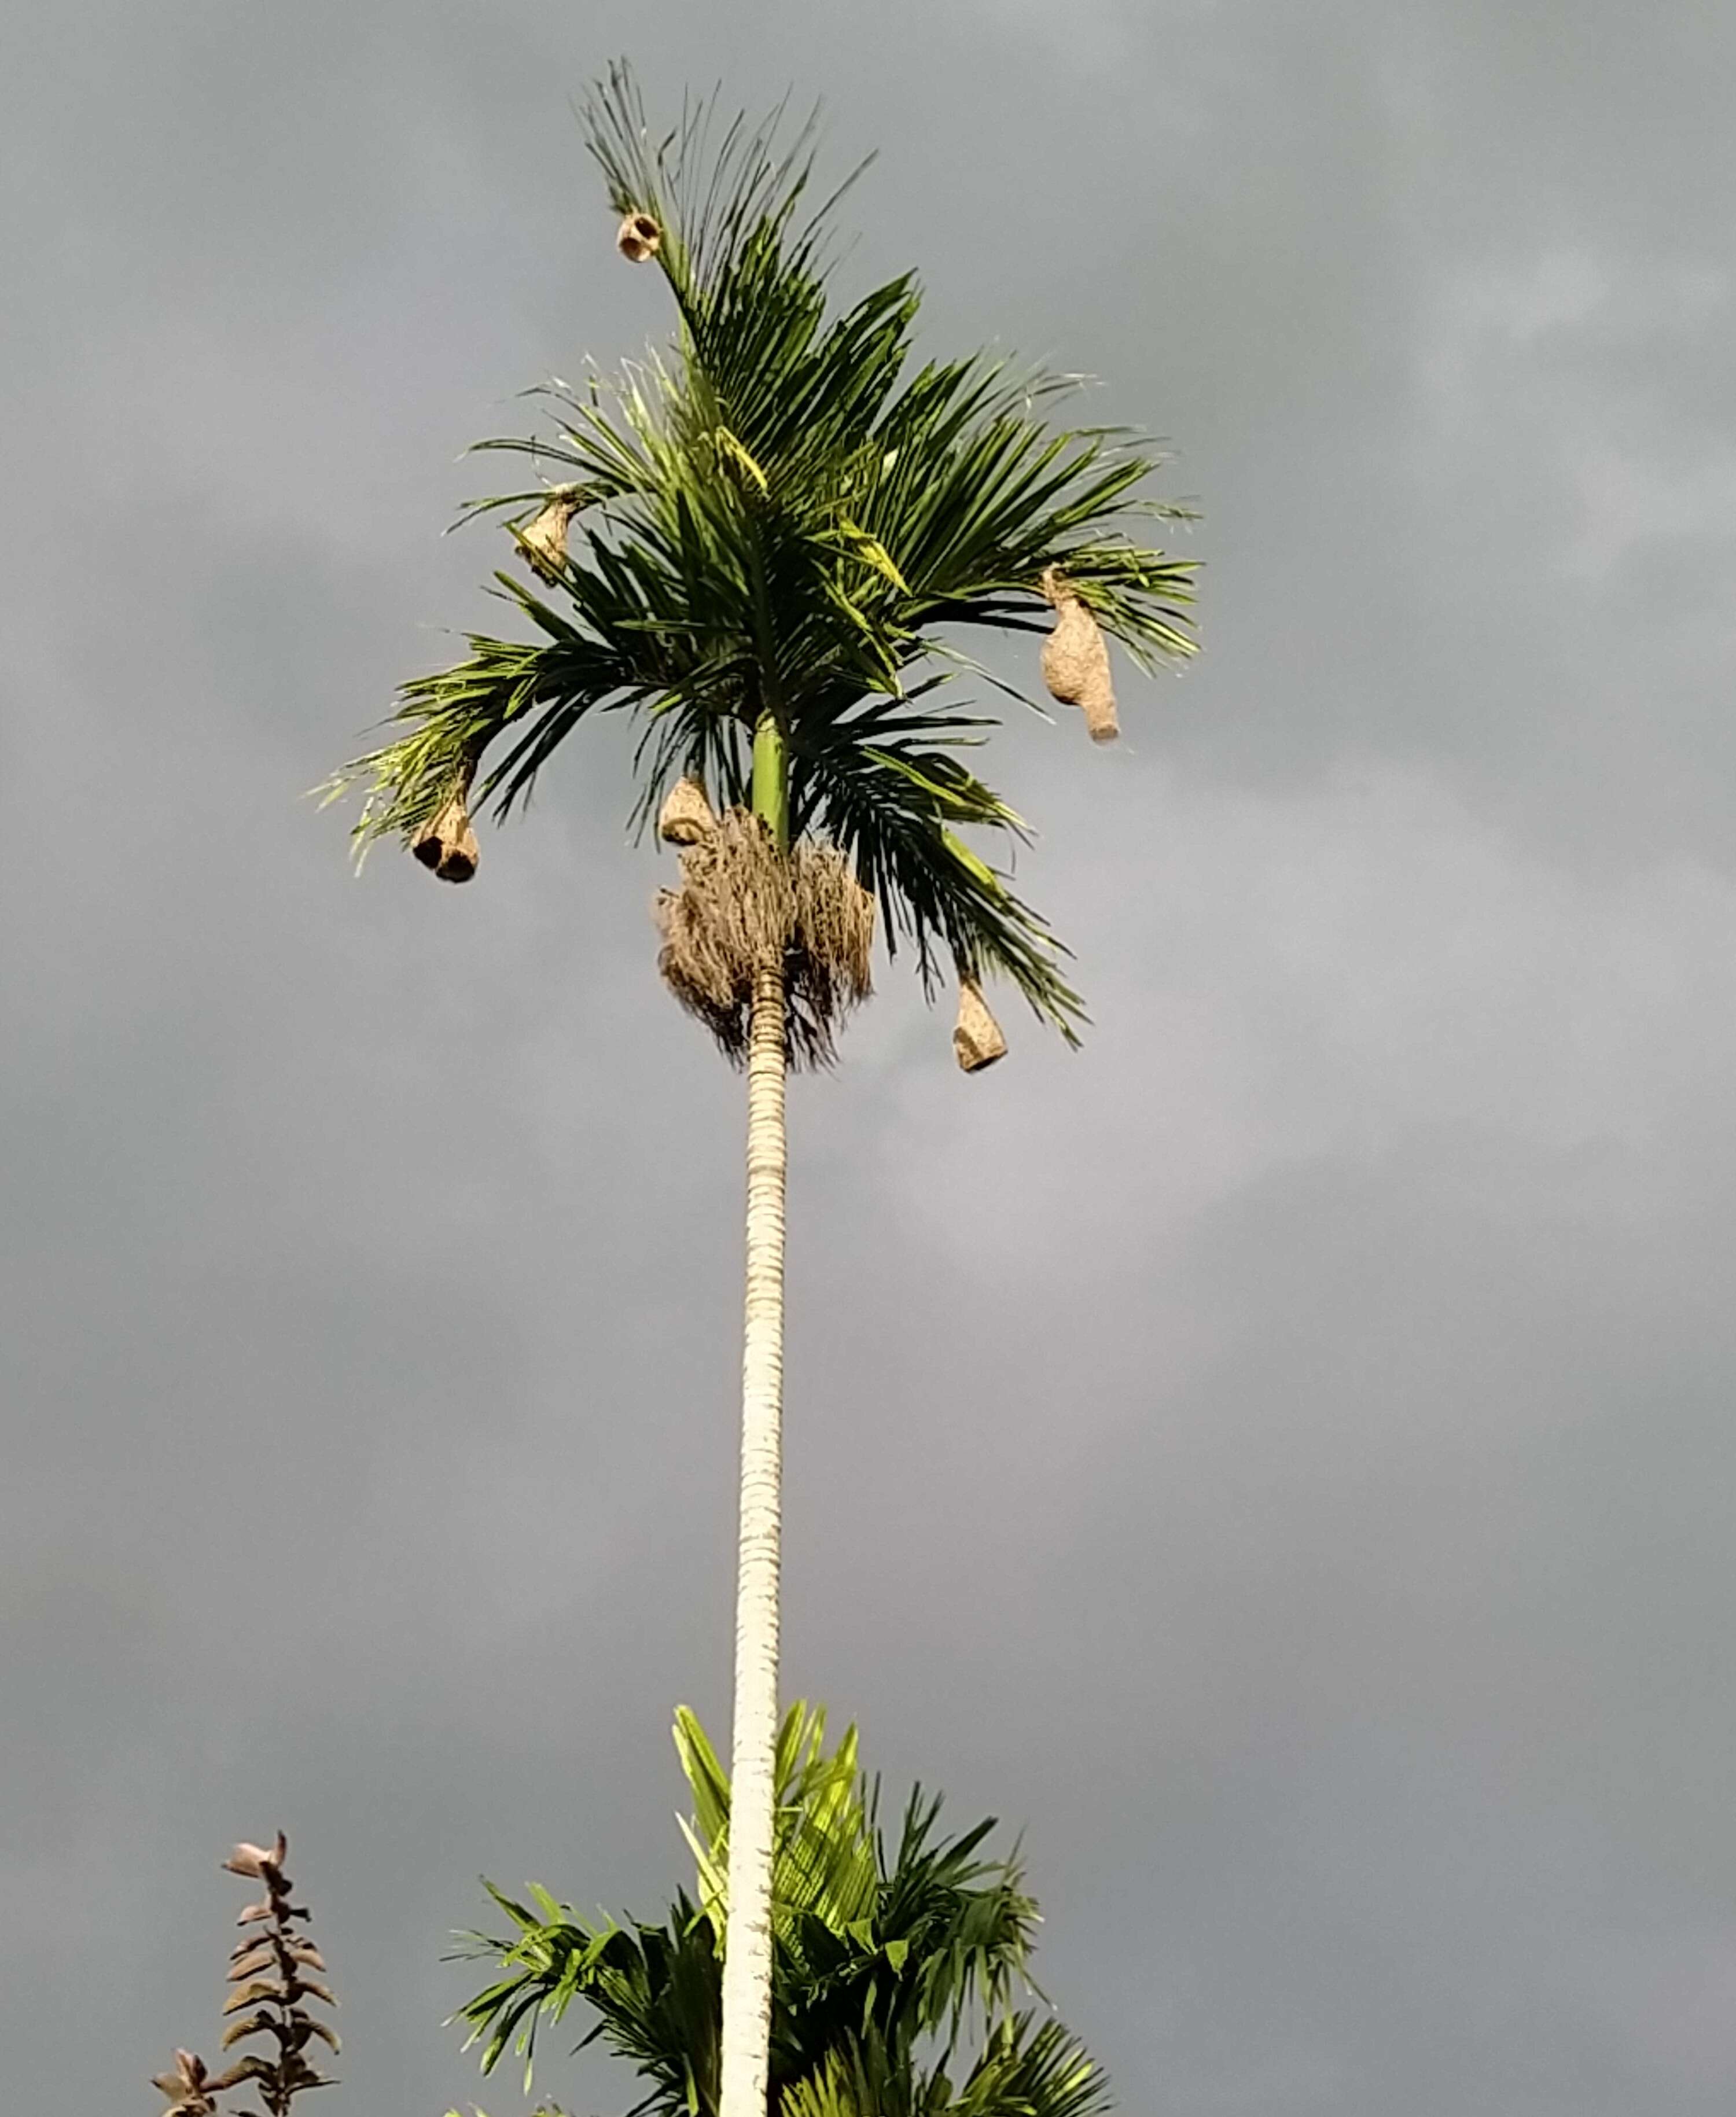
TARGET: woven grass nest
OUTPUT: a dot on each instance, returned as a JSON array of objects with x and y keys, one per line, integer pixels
[
  {"x": 744, "y": 907},
  {"x": 543, "y": 539},
  {"x": 977, "y": 1040},
  {"x": 638, "y": 239},
  {"x": 446, "y": 843},
  {"x": 1076, "y": 659}
]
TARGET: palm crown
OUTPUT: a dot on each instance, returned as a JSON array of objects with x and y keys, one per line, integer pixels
[
  {"x": 779, "y": 531},
  {"x": 898, "y": 1963}
]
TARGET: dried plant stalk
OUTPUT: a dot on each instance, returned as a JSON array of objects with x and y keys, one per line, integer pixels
[
  {"x": 272, "y": 1971},
  {"x": 977, "y": 1040},
  {"x": 686, "y": 816},
  {"x": 1076, "y": 660},
  {"x": 543, "y": 541},
  {"x": 743, "y": 906},
  {"x": 638, "y": 239},
  {"x": 447, "y": 843}
]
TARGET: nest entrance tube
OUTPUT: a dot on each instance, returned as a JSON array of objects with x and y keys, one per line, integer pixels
[
  {"x": 977, "y": 1040},
  {"x": 1076, "y": 660},
  {"x": 446, "y": 843},
  {"x": 744, "y": 907},
  {"x": 638, "y": 239}
]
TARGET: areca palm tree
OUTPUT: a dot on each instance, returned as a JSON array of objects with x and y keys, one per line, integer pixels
[
  {"x": 771, "y": 541},
  {"x": 898, "y": 1962}
]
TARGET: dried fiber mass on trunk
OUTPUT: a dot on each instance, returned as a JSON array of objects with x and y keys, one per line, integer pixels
[{"x": 744, "y": 907}]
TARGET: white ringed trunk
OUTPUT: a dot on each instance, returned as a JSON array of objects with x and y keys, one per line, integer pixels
[{"x": 747, "y": 1958}]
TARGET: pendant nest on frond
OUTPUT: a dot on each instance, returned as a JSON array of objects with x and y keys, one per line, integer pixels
[
  {"x": 446, "y": 843},
  {"x": 977, "y": 1041},
  {"x": 543, "y": 540},
  {"x": 638, "y": 239},
  {"x": 743, "y": 907},
  {"x": 1076, "y": 658}
]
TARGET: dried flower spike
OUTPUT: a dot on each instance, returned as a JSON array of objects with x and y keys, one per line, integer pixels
[
  {"x": 744, "y": 907},
  {"x": 639, "y": 238}
]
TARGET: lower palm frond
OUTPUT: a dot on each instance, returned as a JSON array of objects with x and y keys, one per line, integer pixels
[
  {"x": 1025, "y": 2068},
  {"x": 901, "y": 1952}
]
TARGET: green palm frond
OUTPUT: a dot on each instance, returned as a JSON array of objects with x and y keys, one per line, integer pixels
[
  {"x": 903, "y": 1950},
  {"x": 1025, "y": 2068},
  {"x": 786, "y": 514}
]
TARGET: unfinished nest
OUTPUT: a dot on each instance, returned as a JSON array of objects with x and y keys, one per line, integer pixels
[
  {"x": 446, "y": 843},
  {"x": 977, "y": 1040},
  {"x": 1076, "y": 659},
  {"x": 638, "y": 239},
  {"x": 744, "y": 907},
  {"x": 543, "y": 539},
  {"x": 685, "y": 817}
]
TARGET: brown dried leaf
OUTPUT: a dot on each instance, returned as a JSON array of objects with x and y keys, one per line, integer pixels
[
  {"x": 252, "y": 1955},
  {"x": 307, "y": 2077},
  {"x": 254, "y": 1913},
  {"x": 260, "y": 1988},
  {"x": 188, "y": 2075},
  {"x": 312, "y": 1985},
  {"x": 249, "y": 2025},
  {"x": 255, "y": 1861},
  {"x": 304, "y": 1951},
  {"x": 252, "y": 2066}
]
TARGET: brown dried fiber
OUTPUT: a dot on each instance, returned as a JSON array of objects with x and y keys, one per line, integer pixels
[{"x": 743, "y": 906}]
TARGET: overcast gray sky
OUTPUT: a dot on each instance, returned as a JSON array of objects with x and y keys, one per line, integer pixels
[{"x": 1281, "y": 1458}]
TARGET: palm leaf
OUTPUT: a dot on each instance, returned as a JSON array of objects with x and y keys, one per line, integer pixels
[{"x": 785, "y": 513}]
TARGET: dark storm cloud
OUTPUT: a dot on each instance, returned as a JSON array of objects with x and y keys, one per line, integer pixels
[{"x": 1280, "y": 1455}]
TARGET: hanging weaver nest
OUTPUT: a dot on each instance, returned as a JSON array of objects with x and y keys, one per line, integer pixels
[
  {"x": 543, "y": 541},
  {"x": 977, "y": 1040},
  {"x": 686, "y": 816},
  {"x": 1076, "y": 659},
  {"x": 446, "y": 843},
  {"x": 638, "y": 239},
  {"x": 743, "y": 907}
]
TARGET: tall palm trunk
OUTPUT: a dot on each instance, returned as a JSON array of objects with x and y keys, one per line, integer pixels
[{"x": 747, "y": 1960}]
